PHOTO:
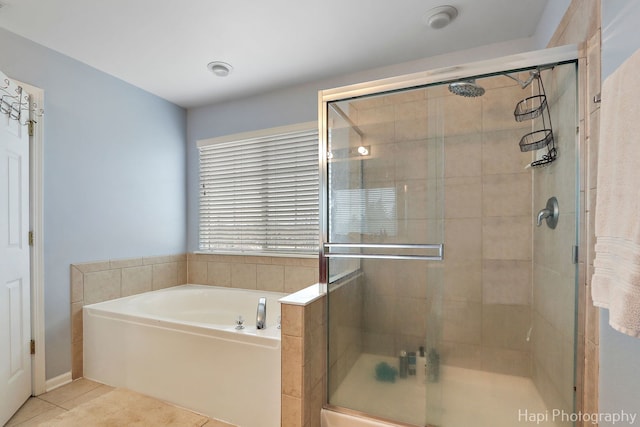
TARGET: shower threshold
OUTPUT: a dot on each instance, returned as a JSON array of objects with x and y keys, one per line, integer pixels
[{"x": 462, "y": 398}]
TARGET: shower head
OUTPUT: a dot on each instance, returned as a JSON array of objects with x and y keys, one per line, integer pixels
[{"x": 468, "y": 88}]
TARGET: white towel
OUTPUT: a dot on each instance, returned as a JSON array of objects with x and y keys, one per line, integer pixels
[{"x": 616, "y": 280}]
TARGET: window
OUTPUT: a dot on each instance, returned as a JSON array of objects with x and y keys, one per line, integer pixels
[
  {"x": 368, "y": 211},
  {"x": 259, "y": 192}
]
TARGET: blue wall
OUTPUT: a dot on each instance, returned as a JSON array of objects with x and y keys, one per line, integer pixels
[
  {"x": 114, "y": 174},
  {"x": 619, "y": 353}
]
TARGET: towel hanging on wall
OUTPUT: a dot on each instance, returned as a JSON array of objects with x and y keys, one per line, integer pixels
[{"x": 616, "y": 280}]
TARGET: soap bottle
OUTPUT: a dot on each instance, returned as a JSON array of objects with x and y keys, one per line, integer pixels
[
  {"x": 404, "y": 364},
  {"x": 411, "y": 363},
  {"x": 421, "y": 366},
  {"x": 433, "y": 366}
]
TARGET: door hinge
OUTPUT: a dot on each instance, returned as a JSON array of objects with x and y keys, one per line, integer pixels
[
  {"x": 574, "y": 254},
  {"x": 31, "y": 238},
  {"x": 33, "y": 347},
  {"x": 30, "y": 127}
]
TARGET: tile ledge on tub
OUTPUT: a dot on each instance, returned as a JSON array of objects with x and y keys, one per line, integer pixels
[
  {"x": 304, "y": 296},
  {"x": 265, "y": 254}
]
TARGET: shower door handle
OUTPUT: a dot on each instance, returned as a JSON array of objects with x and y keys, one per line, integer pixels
[{"x": 439, "y": 247}]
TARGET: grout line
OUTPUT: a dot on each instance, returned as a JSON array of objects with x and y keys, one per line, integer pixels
[
  {"x": 51, "y": 403},
  {"x": 53, "y": 410},
  {"x": 27, "y": 420}
]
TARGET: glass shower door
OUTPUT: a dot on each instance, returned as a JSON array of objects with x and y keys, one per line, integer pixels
[
  {"x": 485, "y": 335},
  {"x": 384, "y": 245}
]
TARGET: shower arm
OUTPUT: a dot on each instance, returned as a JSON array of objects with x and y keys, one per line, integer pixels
[{"x": 523, "y": 84}]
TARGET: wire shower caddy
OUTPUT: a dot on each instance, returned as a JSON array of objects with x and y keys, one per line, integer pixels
[{"x": 531, "y": 108}]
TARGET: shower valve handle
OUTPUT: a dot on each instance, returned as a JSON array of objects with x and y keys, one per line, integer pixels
[{"x": 550, "y": 213}]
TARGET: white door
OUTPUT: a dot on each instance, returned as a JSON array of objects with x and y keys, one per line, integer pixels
[{"x": 15, "y": 299}]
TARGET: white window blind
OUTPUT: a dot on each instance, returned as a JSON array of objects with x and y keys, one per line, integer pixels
[
  {"x": 260, "y": 193},
  {"x": 364, "y": 211}
]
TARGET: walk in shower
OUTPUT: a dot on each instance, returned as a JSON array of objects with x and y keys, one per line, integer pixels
[{"x": 448, "y": 305}]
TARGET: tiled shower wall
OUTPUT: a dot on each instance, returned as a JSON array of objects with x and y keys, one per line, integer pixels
[
  {"x": 554, "y": 273},
  {"x": 404, "y": 157},
  {"x": 345, "y": 328},
  {"x": 582, "y": 25},
  {"x": 484, "y": 284},
  {"x": 104, "y": 280},
  {"x": 488, "y": 220}
]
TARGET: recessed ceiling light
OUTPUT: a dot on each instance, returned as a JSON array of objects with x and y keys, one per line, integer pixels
[
  {"x": 220, "y": 69},
  {"x": 441, "y": 16}
]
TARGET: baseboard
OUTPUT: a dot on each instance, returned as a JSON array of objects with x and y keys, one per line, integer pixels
[{"x": 58, "y": 381}]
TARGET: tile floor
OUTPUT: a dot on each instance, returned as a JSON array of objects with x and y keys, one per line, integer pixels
[{"x": 49, "y": 405}]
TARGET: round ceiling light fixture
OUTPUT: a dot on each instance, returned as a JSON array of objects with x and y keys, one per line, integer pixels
[
  {"x": 219, "y": 68},
  {"x": 441, "y": 16},
  {"x": 363, "y": 151}
]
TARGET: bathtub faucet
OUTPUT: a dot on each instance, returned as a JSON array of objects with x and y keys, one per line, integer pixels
[{"x": 261, "y": 317}]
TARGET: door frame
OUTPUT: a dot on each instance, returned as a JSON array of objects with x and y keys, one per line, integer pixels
[{"x": 36, "y": 198}]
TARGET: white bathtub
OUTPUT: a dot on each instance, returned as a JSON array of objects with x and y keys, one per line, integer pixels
[{"x": 180, "y": 345}]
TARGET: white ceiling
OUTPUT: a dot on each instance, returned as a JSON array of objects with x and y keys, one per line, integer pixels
[{"x": 164, "y": 46}]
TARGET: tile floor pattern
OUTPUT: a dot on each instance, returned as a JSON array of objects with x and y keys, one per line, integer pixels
[{"x": 49, "y": 405}]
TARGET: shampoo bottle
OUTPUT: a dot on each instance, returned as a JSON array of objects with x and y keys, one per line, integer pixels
[
  {"x": 421, "y": 366},
  {"x": 433, "y": 366},
  {"x": 412, "y": 362},
  {"x": 404, "y": 364}
]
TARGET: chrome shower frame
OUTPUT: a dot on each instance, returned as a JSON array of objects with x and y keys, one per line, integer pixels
[{"x": 546, "y": 58}]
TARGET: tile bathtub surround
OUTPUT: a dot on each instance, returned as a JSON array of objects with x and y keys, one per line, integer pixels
[
  {"x": 303, "y": 363},
  {"x": 104, "y": 280},
  {"x": 266, "y": 273}
]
